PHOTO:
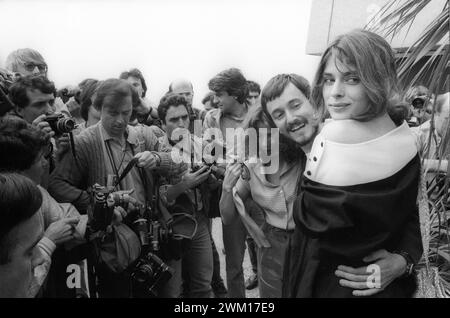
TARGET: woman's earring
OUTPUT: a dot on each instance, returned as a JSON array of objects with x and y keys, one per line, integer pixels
[{"x": 315, "y": 115}]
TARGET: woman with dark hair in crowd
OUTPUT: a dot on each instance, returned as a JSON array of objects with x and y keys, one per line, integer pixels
[{"x": 357, "y": 217}]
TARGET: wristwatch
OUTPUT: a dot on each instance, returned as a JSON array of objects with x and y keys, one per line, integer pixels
[{"x": 409, "y": 262}]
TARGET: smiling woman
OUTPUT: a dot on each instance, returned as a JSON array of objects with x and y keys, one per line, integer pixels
[{"x": 368, "y": 171}]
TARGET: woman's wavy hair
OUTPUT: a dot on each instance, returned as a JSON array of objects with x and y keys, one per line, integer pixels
[{"x": 373, "y": 60}]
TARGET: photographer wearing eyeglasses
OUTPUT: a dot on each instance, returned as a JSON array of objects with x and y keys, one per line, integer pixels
[{"x": 26, "y": 62}]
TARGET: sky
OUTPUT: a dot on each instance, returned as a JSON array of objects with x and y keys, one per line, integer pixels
[{"x": 165, "y": 39}]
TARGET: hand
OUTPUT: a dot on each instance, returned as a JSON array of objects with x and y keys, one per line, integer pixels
[
  {"x": 232, "y": 175},
  {"x": 40, "y": 123},
  {"x": 62, "y": 145},
  {"x": 193, "y": 179},
  {"x": 390, "y": 267},
  {"x": 62, "y": 230},
  {"x": 118, "y": 215},
  {"x": 147, "y": 160}
]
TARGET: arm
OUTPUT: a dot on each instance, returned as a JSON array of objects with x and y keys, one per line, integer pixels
[
  {"x": 391, "y": 265},
  {"x": 67, "y": 180},
  {"x": 157, "y": 156},
  {"x": 226, "y": 205}
]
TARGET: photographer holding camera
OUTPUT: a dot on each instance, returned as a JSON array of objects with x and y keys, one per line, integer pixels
[
  {"x": 104, "y": 150},
  {"x": 33, "y": 97},
  {"x": 190, "y": 190},
  {"x": 419, "y": 99}
]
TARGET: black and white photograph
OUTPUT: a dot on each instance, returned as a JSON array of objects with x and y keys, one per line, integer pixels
[{"x": 239, "y": 151}]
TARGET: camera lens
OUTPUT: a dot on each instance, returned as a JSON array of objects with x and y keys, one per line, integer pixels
[
  {"x": 418, "y": 103},
  {"x": 65, "y": 125},
  {"x": 143, "y": 273}
]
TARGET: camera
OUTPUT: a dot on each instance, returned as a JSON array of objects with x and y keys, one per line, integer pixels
[
  {"x": 218, "y": 172},
  {"x": 104, "y": 201},
  {"x": 60, "y": 124},
  {"x": 149, "y": 274},
  {"x": 102, "y": 208},
  {"x": 151, "y": 234}
]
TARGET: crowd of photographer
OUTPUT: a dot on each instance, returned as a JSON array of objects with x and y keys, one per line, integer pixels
[{"x": 94, "y": 203}]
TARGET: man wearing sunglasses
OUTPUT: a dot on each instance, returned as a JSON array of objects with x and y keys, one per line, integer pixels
[{"x": 26, "y": 62}]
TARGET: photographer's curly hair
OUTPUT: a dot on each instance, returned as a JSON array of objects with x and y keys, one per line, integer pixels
[
  {"x": 20, "y": 199},
  {"x": 231, "y": 81},
  {"x": 134, "y": 72},
  {"x": 18, "y": 90},
  {"x": 168, "y": 100},
  {"x": 20, "y": 144}
]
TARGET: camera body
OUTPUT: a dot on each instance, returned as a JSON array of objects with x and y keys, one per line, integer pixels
[
  {"x": 217, "y": 171},
  {"x": 60, "y": 124},
  {"x": 149, "y": 274},
  {"x": 104, "y": 200},
  {"x": 102, "y": 208}
]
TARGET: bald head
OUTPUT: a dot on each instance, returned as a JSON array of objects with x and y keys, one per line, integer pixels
[{"x": 183, "y": 87}]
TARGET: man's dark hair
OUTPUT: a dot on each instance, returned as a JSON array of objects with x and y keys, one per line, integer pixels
[
  {"x": 254, "y": 87},
  {"x": 20, "y": 199},
  {"x": 118, "y": 89},
  {"x": 277, "y": 84},
  {"x": 168, "y": 100},
  {"x": 208, "y": 98},
  {"x": 231, "y": 81},
  {"x": 86, "y": 94},
  {"x": 18, "y": 90},
  {"x": 134, "y": 72},
  {"x": 20, "y": 144}
]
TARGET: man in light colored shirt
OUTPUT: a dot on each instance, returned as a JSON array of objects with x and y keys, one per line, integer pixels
[{"x": 231, "y": 92}]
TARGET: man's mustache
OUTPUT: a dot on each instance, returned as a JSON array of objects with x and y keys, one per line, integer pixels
[{"x": 297, "y": 122}]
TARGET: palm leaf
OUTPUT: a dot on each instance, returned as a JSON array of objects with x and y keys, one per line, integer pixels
[{"x": 395, "y": 17}]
